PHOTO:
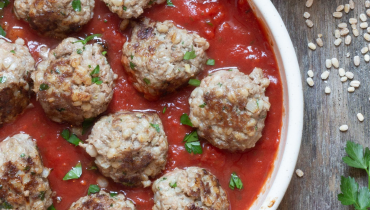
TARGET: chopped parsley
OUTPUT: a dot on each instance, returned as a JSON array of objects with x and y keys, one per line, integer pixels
[
  {"x": 113, "y": 194},
  {"x": 185, "y": 120},
  {"x": 76, "y": 4},
  {"x": 190, "y": 55},
  {"x": 169, "y": 3},
  {"x": 23, "y": 155},
  {"x": 87, "y": 123},
  {"x": 96, "y": 80},
  {"x": 44, "y": 86},
  {"x": 3, "y": 4},
  {"x": 203, "y": 105},
  {"x": 235, "y": 181},
  {"x": 2, "y": 79},
  {"x": 93, "y": 188},
  {"x": 173, "y": 185},
  {"x": 211, "y": 62},
  {"x": 194, "y": 82},
  {"x": 209, "y": 23},
  {"x": 132, "y": 65},
  {"x": 124, "y": 8},
  {"x": 221, "y": 86},
  {"x": 42, "y": 195},
  {"x": 192, "y": 143},
  {"x": 156, "y": 126},
  {"x": 104, "y": 53},
  {"x": 6, "y": 205},
  {"x": 74, "y": 173},
  {"x": 147, "y": 81},
  {"x": 96, "y": 70},
  {"x": 2, "y": 32},
  {"x": 89, "y": 38},
  {"x": 71, "y": 138},
  {"x": 79, "y": 51},
  {"x": 51, "y": 207},
  {"x": 164, "y": 109},
  {"x": 12, "y": 51}
]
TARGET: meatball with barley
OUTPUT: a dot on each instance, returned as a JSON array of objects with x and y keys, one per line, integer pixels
[
  {"x": 190, "y": 188},
  {"x": 24, "y": 183},
  {"x": 129, "y": 147},
  {"x": 229, "y": 108},
  {"x": 55, "y": 18},
  {"x": 74, "y": 82},
  {"x": 16, "y": 64},
  {"x": 161, "y": 57},
  {"x": 103, "y": 200},
  {"x": 126, "y": 9}
]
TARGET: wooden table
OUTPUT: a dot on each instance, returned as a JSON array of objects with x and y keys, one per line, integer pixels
[{"x": 323, "y": 144}]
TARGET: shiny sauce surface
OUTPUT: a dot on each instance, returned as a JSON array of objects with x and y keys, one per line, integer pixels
[{"x": 237, "y": 39}]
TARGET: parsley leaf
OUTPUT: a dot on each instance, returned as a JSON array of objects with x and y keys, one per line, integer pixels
[
  {"x": 3, "y": 4},
  {"x": 124, "y": 8},
  {"x": 235, "y": 181},
  {"x": 76, "y": 4},
  {"x": 192, "y": 143},
  {"x": 2, "y": 32},
  {"x": 203, "y": 105},
  {"x": 51, "y": 207},
  {"x": 147, "y": 81},
  {"x": 194, "y": 82},
  {"x": 132, "y": 65},
  {"x": 96, "y": 70},
  {"x": 73, "y": 139},
  {"x": 113, "y": 194},
  {"x": 190, "y": 54},
  {"x": 93, "y": 189},
  {"x": 87, "y": 123},
  {"x": 44, "y": 86},
  {"x": 89, "y": 38},
  {"x": 79, "y": 51},
  {"x": 185, "y": 120},
  {"x": 6, "y": 205},
  {"x": 65, "y": 134},
  {"x": 173, "y": 185},
  {"x": 12, "y": 51},
  {"x": 74, "y": 173},
  {"x": 2, "y": 79},
  {"x": 169, "y": 3},
  {"x": 164, "y": 109},
  {"x": 356, "y": 157},
  {"x": 156, "y": 126},
  {"x": 211, "y": 62}
]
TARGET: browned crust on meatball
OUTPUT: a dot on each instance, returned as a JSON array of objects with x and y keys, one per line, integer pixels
[{"x": 10, "y": 105}]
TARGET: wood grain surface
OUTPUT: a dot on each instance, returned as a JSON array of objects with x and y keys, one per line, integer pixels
[{"x": 323, "y": 144}]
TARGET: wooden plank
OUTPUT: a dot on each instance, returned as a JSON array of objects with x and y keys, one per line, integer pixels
[{"x": 323, "y": 144}]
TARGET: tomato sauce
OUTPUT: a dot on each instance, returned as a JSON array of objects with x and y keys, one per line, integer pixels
[{"x": 237, "y": 39}]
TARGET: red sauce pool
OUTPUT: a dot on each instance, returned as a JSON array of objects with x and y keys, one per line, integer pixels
[{"x": 237, "y": 39}]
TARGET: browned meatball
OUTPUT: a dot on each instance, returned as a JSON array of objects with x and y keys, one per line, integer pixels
[
  {"x": 229, "y": 108},
  {"x": 75, "y": 82},
  {"x": 24, "y": 183},
  {"x": 130, "y": 8},
  {"x": 16, "y": 64},
  {"x": 155, "y": 57},
  {"x": 103, "y": 201},
  {"x": 191, "y": 188},
  {"x": 54, "y": 18},
  {"x": 129, "y": 147}
]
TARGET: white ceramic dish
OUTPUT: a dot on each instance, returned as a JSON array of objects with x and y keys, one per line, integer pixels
[{"x": 275, "y": 188}]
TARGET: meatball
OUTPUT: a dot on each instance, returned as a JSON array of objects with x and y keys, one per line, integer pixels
[
  {"x": 129, "y": 147},
  {"x": 24, "y": 183},
  {"x": 55, "y": 18},
  {"x": 161, "y": 57},
  {"x": 229, "y": 108},
  {"x": 126, "y": 9},
  {"x": 16, "y": 64},
  {"x": 103, "y": 200},
  {"x": 75, "y": 82},
  {"x": 191, "y": 188}
]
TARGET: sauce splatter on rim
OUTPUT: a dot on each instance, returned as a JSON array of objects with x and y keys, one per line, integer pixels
[{"x": 237, "y": 39}]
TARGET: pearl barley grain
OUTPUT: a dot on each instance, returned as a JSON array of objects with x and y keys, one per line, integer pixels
[
  {"x": 337, "y": 14},
  {"x": 350, "y": 75},
  {"x": 299, "y": 173},
  {"x": 306, "y": 15},
  {"x": 310, "y": 73},
  {"x": 360, "y": 117},
  {"x": 364, "y": 50},
  {"x": 352, "y": 20},
  {"x": 356, "y": 60},
  {"x": 309, "y": 3},
  {"x": 309, "y": 23},
  {"x": 319, "y": 42},
  {"x": 312, "y": 46},
  {"x": 363, "y": 17},
  {"x": 343, "y": 128},
  {"x": 342, "y": 72},
  {"x": 351, "y": 4},
  {"x": 351, "y": 89},
  {"x": 343, "y": 79},
  {"x": 325, "y": 75},
  {"x": 348, "y": 40},
  {"x": 367, "y": 58},
  {"x": 328, "y": 63},
  {"x": 355, "y": 84},
  {"x": 367, "y": 4},
  {"x": 346, "y": 8},
  {"x": 310, "y": 81},
  {"x": 327, "y": 90},
  {"x": 337, "y": 42},
  {"x": 335, "y": 62}
]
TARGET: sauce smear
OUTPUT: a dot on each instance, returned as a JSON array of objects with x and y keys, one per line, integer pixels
[{"x": 237, "y": 39}]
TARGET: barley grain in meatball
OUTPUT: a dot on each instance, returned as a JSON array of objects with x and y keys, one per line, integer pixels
[
  {"x": 103, "y": 200},
  {"x": 161, "y": 57},
  {"x": 75, "y": 82},
  {"x": 229, "y": 108},
  {"x": 191, "y": 188},
  {"x": 126, "y": 9},
  {"x": 24, "y": 183},
  {"x": 55, "y": 18},
  {"x": 129, "y": 147},
  {"x": 16, "y": 64}
]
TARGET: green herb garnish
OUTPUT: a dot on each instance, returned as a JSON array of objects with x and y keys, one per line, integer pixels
[
  {"x": 79, "y": 51},
  {"x": 93, "y": 189},
  {"x": 202, "y": 105},
  {"x": 104, "y": 53},
  {"x": 73, "y": 139},
  {"x": 185, "y": 120},
  {"x": 156, "y": 126},
  {"x": 12, "y": 51},
  {"x": 96, "y": 70},
  {"x": 89, "y": 38},
  {"x": 173, "y": 185},
  {"x": 147, "y": 81},
  {"x": 74, "y": 173},
  {"x": 51, "y": 207},
  {"x": 2, "y": 79},
  {"x": 211, "y": 62},
  {"x": 190, "y": 55},
  {"x": 164, "y": 109},
  {"x": 192, "y": 143},
  {"x": 235, "y": 181},
  {"x": 132, "y": 65},
  {"x": 44, "y": 86},
  {"x": 2, "y": 32},
  {"x": 113, "y": 194},
  {"x": 76, "y": 4},
  {"x": 169, "y": 3},
  {"x": 194, "y": 82},
  {"x": 124, "y": 8}
]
